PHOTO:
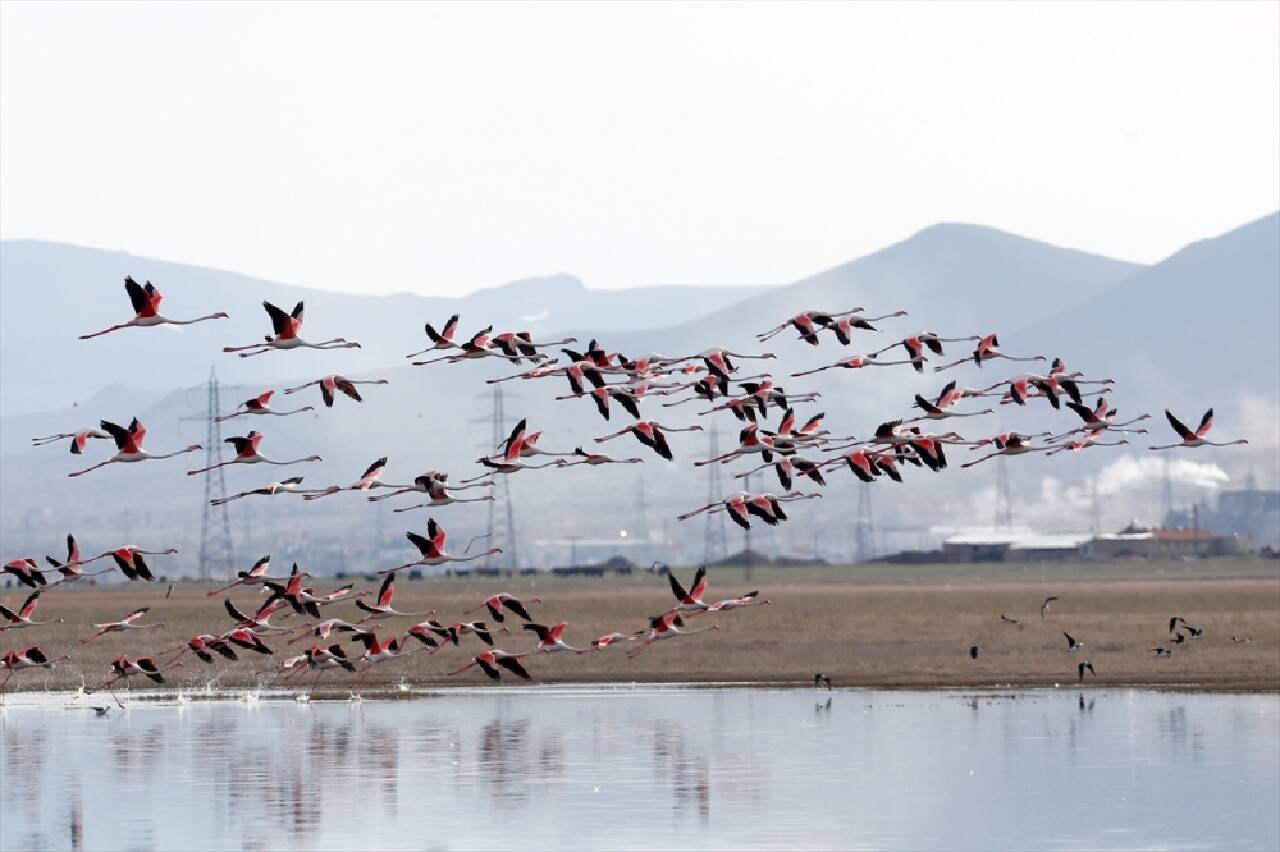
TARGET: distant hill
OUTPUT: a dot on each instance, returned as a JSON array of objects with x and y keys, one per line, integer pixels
[{"x": 52, "y": 292}]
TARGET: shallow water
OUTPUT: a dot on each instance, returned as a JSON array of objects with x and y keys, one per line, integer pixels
[{"x": 647, "y": 767}]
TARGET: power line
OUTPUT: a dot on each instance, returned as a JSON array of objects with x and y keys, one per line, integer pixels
[
  {"x": 714, "y": 540},
  {"x": 500, "y": 515},
  {"x": 217, "y": 554}
]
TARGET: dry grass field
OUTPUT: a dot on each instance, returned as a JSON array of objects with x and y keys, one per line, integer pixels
[{"x": 855, "y": 627}]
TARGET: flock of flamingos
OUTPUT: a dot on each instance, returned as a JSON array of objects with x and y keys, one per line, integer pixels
[{"x": 795, "y": 450}]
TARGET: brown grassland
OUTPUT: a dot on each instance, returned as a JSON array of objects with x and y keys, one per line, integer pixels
[{"x": 882, "y": 626}]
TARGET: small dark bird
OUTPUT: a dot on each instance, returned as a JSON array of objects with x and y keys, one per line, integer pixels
[
  {"x": 1196, "y": 632},
  {"x": 1007, "y": 620},
  {"x": 1173, "y": 622},
  {"x": 1162, "y": 652},
  {"x": 1240, "y": 639},
  {"x": 1044, "y": 607},
  {"x": 973, "y": 651},
  {"x": 100, "y": 711},
  {"x": 1080, "y": 669},
  {"x": 1180, "y": 638},
  {"x": 820, "y": 679},
  {"x": 1072, "y": 644},
  {"x": 166, "y": 594}
]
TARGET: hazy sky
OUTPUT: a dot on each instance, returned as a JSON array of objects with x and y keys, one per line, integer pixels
[{"x": 441, "y": 148}]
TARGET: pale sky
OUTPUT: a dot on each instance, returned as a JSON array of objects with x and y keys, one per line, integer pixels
[{"x": 443, "y": 148}]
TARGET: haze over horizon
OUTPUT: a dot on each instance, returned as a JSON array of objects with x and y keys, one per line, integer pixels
[{"x": 768, "y": 143}]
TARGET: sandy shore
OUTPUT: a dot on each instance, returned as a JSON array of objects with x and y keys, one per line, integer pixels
[{"x": 914, "y": 634}]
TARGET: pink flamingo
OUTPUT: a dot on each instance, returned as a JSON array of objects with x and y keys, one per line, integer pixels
[
  {"x": 146, "y": 305},
  {"x": 1197, "y": 438},
  {"x": 28, "y": 658},
  {"x": 368, "y": 480},
  {"x": 496, "y": 604},
  {"x": 126, "y": 623},
  {"x": 255, "y": 576},
  {"x": 247, "y": 453},
  {"x": 23, "y": 617},
  {"x": 489, "y": 662},
  {"x": 651, "y": 433},
  {"x": 79, "y": 440},
  {"x": 550, "y": 638},
  {"x": 667, "y": 626},
  {"x": 853, "y": 362},
  {"x": 442, "y": 339},
  {"x": 261, "y": 404},
  {"x": 329, "y": 384},
  {"x": 284, "y": 486},
  {"x": 383, "y": 608},
  {"x": 129, "y": 446},
  {"x": 286, "y": 328},
  {"x": 432, "y": 549}
]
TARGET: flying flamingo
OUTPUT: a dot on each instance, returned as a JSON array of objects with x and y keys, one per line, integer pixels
[
  {"x": 440, "y": 496},
  {"x": 808, "y": 324},
  {"x": 549, "y": 638},
  {"x": 488, "y": 661},
  {"x": 286, "y": 327},
  {"x": 321, "y": 660},
  {"x": 422, "y": 484},
  {"x": 376, "y": 652},
  {"x": 23, "y": 617},
  {"x": 383, "y": 608},
  {"x": 719, "y": 359},
  {"x": 260, "y": 622},
  {"x": 1090, "y": 439},
  {"x": 735, "y": 506},
  {"x": 651, "y": 433},
  {"x": 322, "y": 630},
  {"x": 261, "y": 404},
  {"x": 749, "y": 599},
  {"x": 126, "y": 623},
  {"x": 292, "y": 593},
  {"x": 509, "y": 462},
  {"x": 611, "y": 639},
  {"x": 247, "y": 453},
  {"x": 667, "y": 626},
  {"x": 201, "y": 645},
  {"x": 514, "y": 344},
  {"x": 27, "y": 570},
  {"x": 284, "y": 486},
  {"x": 987, "y": 351},
  {"x": 1195, "y": 439},
  {"x": 368, "y": 479},
  {"x": 916, "y": 344},
  {"x": 432, "y": 549},
  {"x": 853, "y": 362},
  {"x": 546, "y": 368},
  {"x": 128, "y": 559},
  {"x": 329, "y": 384},
  {"x": 442, "y": 339},
  {"x": 255, "y": 576},
  {"x": 786, "y": 467},
  {"x": 691, "y": 600},
  {"x": 146, "y": 299},
  {"x": 29, "y": 658},
  {"x": 496, "y": 604},
  {"x": 1014, "y": 446},
  {"x": 476, "y": 347},
  {"x": 843, "y": 327},
  {"x": 750, "y": 441},
  {"x": 129, "y": 446},
  {"x": 79, "y": 440},
  {"x": 593, "y": 459}
]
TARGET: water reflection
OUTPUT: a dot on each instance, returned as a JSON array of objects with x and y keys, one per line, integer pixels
[{"x": 692, "y": 769}]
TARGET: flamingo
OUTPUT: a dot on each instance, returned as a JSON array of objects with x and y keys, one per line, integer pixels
[
  {"x": 937, "y": 410},
  {"x": 126, "y": 623},
  {"x": 23, "y": 617},
  {"x": 442, "y": 339},
  {"x": 432, "y": 549},
  {"x": 329, "y": 384},
  {"x": 261, "y": 404},
  {"x": 426, "y": 483},
  {"x": 129, "y": 446},
  {"x": 27, "y": 571},
  {"x": 284, "y": 486},
  {"x": 1014, "y": 446},
  {"x": 476, "y": 347},
  {"x": 786, "y": 467},
  {"x": 321, "y": 659},
  {"x": 201, "y": 645},
  {"x": 610, "y": 639},
  {"x": 768, "y": 507},
  {"x": 981, "y": 355},
  {"x": 843, "y": 327},
  {"x": 651, "y": 434},
  {"x": 916, "y": 344},
  {"x": 322, "y": 630},
  {"x": 28, "y": 658},
  {"x": 751, "y": 598},
  {"x": 750, "y": 441},
  {"x": 488, "y": 661},
  {"x": 440, "y": 496},
  {"x": 383, "y": 608},
  {"x": 690, "y": 600},
  {"x": 257, "y": 575},
  {"x": 286, "y": 328},
  {"x": 861, "y": 463},
  {"x": 503, "y": 601},
  {"x": 146, "y": 299},
  {"x": 667, "y": 626},
  {"x": 128, "y": 559},
  {"x": 293, "y": 594},
  {"x": 1090, "y": 439},
  {"x": 244, "y": 638},
  {"x": 735, "y": 506},
  {"x": 79, "y": 440},
  {"x": 376, "y": 652},
  {"x": 1195, "y": 439},
  {"x": 547, "y": 368},
  {"x": 368, "y": 480},
  {"x": 259, "y": 623},
  {"x": 853, "y": 362},
  {"x": 510, "y": 459},
  {"x": 808, "y": 324},
  {"x": 513, "y": 344},
  {"x": 549, "y": 638},
  {"x": 247, "y": 453},
  {"x": 594, "y": 459}
]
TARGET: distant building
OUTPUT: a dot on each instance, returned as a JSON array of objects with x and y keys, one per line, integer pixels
[
  {"x": 1165, "y": 543},
  {"x": 989, "y": 545}
]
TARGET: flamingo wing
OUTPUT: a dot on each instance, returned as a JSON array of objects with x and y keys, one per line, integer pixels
[
  {"x": 280, "y": 321},
  {"x": 137, "y": 295},
  {"x": 387, "y": 592},
  {"x": 348, "y": 387},
  {"x": 135, "y": 615},
  {"x": 437, "y": 534},
  {"x": 1183, "y": 432},
  {"x": 118, "y": 434},
  {"x": 1206, "y": 423},
  {"x": 512, "y": 665},
  {"x": 699, "y": 583},
  {"x": 515, "y": 442}
]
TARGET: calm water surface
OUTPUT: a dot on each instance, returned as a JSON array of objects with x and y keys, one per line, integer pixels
[{"x": 648, "y": 768}]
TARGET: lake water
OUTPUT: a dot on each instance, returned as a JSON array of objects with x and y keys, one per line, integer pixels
[{"x": 646, "y": 768}]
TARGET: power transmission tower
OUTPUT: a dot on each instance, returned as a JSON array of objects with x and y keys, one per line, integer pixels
[
  {"x": 714, "y": 541},
  {"x": 864, "y": 529},
  {"x": 217, "y": 556},
  {"x": 1166, "y": 492},
  {"x": 502, "y": 520},
  {"x": 1004, "y": 500}
]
